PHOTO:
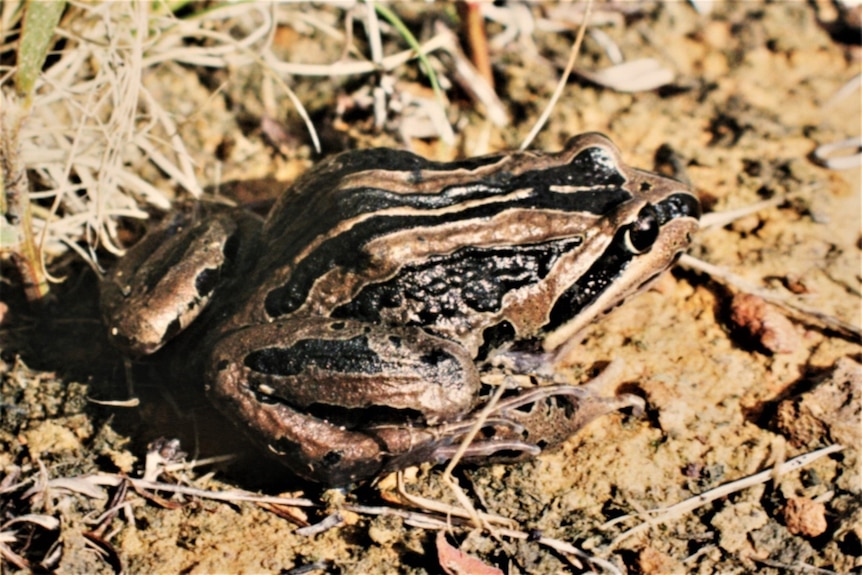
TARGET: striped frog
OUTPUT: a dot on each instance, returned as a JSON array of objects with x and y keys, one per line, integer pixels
[{"x": 347, "y": 332}]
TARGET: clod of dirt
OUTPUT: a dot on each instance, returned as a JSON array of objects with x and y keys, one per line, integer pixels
[
  {"x": 729, "y": 521},
  {"x": 833, "y": 409},
  {"x": 764, "y": 323},
  {"x": 653, "y": 562}
]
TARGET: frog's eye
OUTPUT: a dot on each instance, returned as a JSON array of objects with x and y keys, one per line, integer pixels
[{"x": 642, "y": 234}]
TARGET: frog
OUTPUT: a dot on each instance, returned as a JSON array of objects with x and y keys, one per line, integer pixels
[{"x": 349, "y": 332}]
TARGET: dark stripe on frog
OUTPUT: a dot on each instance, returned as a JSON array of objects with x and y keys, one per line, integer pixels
[
  {"x": 178, "y": 246},
  {"x": 320, "y": 202},
  {"x": 604, "y": 271},
  {"x": 447, "y": 286},
  {"x": 399, "y": 161},
  {"x": 352, "y": 356},
  {"x": 345, "y": 250},
  {"x": 677, "y": 206},
  {"x": 594, "y": 167},
  {"x": 591, "y": 187}
]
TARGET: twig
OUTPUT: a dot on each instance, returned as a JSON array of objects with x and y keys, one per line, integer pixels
[
  {"x": 721, "y": 219},
  {"x": 459, "y": 454},
  {"x": 576, "y": 48},
  {"x": 331, "y": 521},
  {"x": 666, "y": 514},
  {"x": 112, "y": 480},
  {"x": 802, "y": 312},
  {"x": 466, "y": 512}
]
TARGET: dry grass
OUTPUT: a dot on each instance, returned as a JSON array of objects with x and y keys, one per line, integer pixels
[{"x": 94, "y": 120}]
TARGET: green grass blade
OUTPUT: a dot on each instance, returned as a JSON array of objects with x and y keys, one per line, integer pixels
[
  {"x": 411, "y": 40},
  {"x": 37, "y": 32}
]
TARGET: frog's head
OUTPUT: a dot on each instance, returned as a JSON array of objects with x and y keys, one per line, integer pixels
[{"x": 641, "y": 224}]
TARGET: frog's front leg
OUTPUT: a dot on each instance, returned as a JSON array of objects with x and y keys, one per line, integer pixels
[
  {"x": 166, "y": 280},
  {"x": 534, "y": 419},
  {"x": 335, "y": 399}
]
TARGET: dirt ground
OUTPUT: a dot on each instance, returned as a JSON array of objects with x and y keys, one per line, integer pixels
[{"x": 751, "y": 99}]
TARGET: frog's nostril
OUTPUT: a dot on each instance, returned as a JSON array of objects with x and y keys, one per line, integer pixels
[{"x": 332, "y": 458}]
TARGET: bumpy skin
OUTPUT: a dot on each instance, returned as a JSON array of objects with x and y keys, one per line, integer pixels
[{"x": 349, "y": 346}]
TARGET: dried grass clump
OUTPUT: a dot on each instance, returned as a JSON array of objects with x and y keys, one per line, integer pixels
[{"x": 93, "y": 123}]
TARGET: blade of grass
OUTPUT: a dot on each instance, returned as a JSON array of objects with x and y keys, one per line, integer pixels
[
  {"x": 37, "y": 32},
  {"x": 411, "y": 40}
]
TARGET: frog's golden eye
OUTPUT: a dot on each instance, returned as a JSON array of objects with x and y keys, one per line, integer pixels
[{"x": 642, "y": 234}]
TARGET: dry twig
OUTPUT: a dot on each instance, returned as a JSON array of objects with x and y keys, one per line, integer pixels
[{"x": 673, "y": 512}]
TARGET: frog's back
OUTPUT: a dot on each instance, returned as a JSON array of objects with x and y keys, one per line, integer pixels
[{"x": 487, "y": 244}]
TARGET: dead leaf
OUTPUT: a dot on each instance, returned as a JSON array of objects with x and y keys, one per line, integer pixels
[{"x": 456, "y": 562}]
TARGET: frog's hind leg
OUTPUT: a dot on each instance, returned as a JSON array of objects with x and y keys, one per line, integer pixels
[{"x": 336, "y": 399}]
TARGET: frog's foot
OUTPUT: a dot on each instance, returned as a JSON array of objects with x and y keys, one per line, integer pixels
[{"x": 535, "y": 419}]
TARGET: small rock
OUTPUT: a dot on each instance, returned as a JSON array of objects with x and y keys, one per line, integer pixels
[{"x": 805, "y": 517}]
